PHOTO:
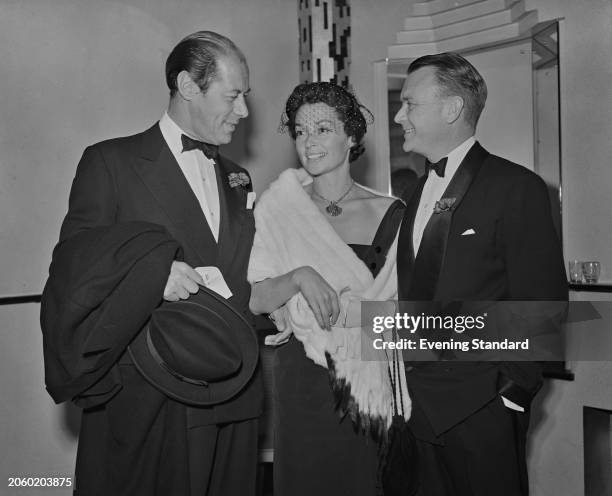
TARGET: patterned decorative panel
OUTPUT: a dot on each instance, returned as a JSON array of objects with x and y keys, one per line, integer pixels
[{"x": 325, "y": 40}]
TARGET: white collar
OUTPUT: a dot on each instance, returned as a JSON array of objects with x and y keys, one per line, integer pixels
[
  {"x": 172, "y": 133},
  {"x": 456, "y": 156}
]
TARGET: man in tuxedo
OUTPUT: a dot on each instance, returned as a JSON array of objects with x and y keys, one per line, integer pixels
[
  {"x": 478, "y": 228},
  {"x": 141, "y": 441}
]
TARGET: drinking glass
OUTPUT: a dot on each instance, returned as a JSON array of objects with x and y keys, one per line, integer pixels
[
  {"x": 590, "y": 271},
  {"x": 575, "y": 271}
]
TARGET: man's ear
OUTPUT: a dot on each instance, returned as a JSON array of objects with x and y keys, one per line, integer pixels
[
  {"x": 453, "y": 108},
  {"x": 186, "y": 87}
]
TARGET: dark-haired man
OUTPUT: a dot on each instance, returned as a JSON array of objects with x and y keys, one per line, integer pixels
[
  {"x": 477, "y": 228},
  {"x": 140, "y": 441}
]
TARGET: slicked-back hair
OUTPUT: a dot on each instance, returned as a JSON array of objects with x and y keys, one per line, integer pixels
[
  {"x": 348, "y": 109},
  {"x": 198, "y": 54},
  {"x": 456, "y": 76}
]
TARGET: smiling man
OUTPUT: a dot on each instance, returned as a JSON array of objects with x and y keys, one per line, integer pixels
[
  {"x": 478, "y": 227},
  {"x": 159, "y": 205}
]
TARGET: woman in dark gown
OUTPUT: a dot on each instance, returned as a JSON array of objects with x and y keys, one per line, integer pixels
[{"x": 317, "y": 451}]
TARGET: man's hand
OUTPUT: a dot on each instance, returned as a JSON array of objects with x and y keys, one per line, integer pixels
[
  {"x": 183, "y": 281},
  {"x": 321, "y": 297}
]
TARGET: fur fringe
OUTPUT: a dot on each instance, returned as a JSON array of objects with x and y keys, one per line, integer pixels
[{"x": 345, "y": 404}]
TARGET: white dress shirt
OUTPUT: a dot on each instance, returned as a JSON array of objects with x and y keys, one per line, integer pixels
[
  {"x": 434, "y": 189},
  {"x": 197, "y": 169}
]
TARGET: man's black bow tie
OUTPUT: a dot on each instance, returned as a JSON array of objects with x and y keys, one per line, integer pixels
[
  {"x": 439, "y": 166},
  {"x": 211, "y": 151}
]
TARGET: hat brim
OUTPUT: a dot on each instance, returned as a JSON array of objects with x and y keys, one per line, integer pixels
[{"x": 242, "y": 336}]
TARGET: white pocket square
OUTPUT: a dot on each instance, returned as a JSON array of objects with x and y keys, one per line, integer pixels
[
  {"x": 468, "y": 232},
  {"x": 251, "y": 196}
]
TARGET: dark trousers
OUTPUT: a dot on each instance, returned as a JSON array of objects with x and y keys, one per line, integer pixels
[
  {"x": 223, "y": 459},
  {"x": 141, "y": 443},
  {"x": 484, "y": 455}
]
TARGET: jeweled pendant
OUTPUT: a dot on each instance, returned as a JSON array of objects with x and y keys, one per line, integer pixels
[{"x": 333, "y": 209}]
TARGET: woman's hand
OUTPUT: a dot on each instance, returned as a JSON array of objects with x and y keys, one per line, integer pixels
[{"x": 319, "y": 295}]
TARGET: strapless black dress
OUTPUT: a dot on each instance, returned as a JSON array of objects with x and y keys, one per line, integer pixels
[{"x": 317, "y": 452}]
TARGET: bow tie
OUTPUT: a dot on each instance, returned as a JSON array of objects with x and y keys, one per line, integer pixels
[
  {"x": 210, "y": 151},
  {"x": 439, "y": 166}
]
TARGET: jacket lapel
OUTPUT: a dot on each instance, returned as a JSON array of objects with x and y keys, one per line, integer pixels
[
  {"x": 232, "y": 203},
  {"x": 405, "y": 246},
  {"x": 162, "y": 175},
  {"x": 432, "y": 251}
]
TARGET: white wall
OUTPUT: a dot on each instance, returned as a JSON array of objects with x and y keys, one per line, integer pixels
[
  {"x": 373, "y": 28},
  {"x": 556, "y": 459},
  {"x": 75, "y": 72},
  {"x": 586, "y": 71},
  {"x": 37, "y": 438}
]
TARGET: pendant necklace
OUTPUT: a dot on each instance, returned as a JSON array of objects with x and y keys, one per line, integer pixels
[{"x": 333, "y": 208}]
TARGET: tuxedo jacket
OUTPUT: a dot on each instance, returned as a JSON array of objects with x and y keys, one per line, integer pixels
[
  {"x": 497, "y": 242},
  {"x": 137, "y": 178}
]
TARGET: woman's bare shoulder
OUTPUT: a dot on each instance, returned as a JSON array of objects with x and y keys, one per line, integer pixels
[
  {"x": 364, "y": 212},
  {"x": 376, "y": 200}
]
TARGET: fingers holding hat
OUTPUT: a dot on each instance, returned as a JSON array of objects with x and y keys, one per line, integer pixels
[{"x": 183, "y": 281}]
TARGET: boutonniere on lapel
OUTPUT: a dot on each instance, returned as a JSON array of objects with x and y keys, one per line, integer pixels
[
  {"x": 238, "y": 179},
  {"x": 444, "y": 205}
]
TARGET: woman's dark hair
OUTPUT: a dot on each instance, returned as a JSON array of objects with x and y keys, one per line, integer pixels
[{"x": 350, "y": 112}]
